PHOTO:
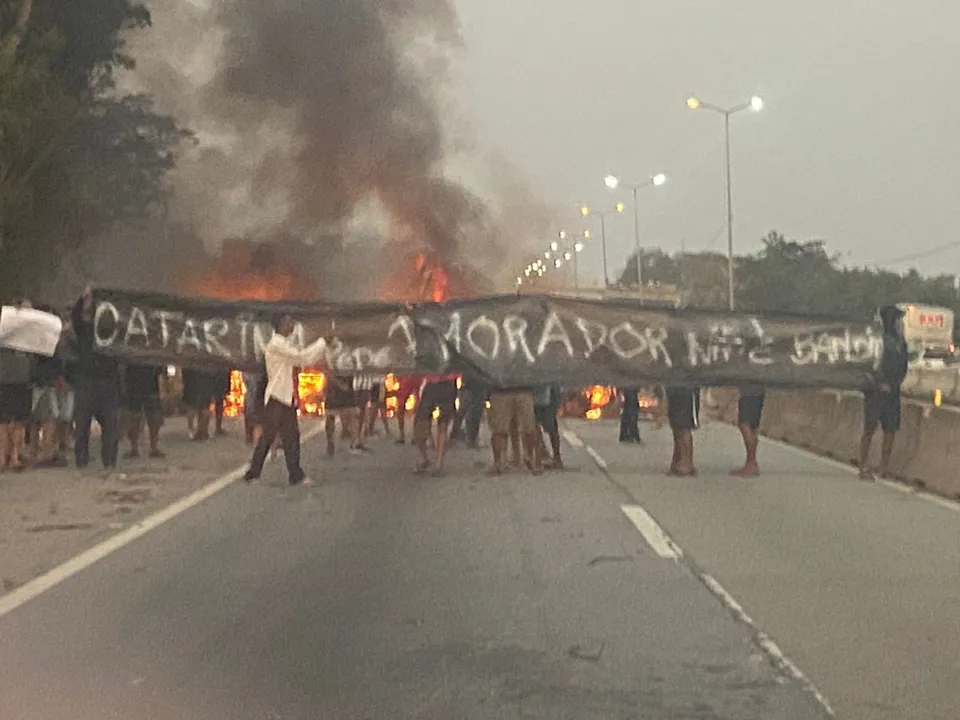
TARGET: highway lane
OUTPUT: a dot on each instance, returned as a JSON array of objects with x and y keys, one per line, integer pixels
[
  {"x": 858, "y": 583},
  {"x": 378, "y": 594}
]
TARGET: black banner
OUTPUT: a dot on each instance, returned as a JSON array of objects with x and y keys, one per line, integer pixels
[{"x": 515, "y": 340}]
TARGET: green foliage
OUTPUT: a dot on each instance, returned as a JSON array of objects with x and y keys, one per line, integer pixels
[
  {"x": 75, "y": 158},
  {"x": 794, "y": 277}
]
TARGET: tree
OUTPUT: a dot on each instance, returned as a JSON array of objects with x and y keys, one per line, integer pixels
[{"x": 74, "y": 156}]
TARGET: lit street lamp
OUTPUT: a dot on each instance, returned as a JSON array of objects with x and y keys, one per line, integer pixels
[
  {"x": 613, "y": 182},
  {"x": 755, "y": 104},
  {"x": 604, "y": 214}
]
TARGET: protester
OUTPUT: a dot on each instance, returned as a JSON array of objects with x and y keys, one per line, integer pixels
[
  {"x": 882, "y": 402},
  {"x": 363, "y": 387},
  {"x": 282, "y": 359},
  {"x": 683, "y": 411},
  {"x": 53, "y": 405},
  {"x": 16, "y": 403},
  {"x": 474, "y": 394},
  {"x": 255, "y": 384},
  {"x": 439, "y": 394},
  {"x": 141, "y": 402},
  {"x": 378, "y": 406},
  {"x": 340, "y": 402},
  {"x": 199, "y": 394},
  {"x": 546, "y": 399},
  {"x": 630, "y": 416},
  {"x": 96, "y": 381},
  {"x": 513, "y": 406},
  {"x": 749, "y": 412}
]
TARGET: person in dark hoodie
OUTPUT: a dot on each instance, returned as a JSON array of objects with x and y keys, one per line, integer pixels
[
  {"x": 96, "y": 380},
  {"x": 882, "y": 402}
]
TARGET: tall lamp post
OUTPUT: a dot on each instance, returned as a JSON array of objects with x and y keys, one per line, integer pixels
[
  {"x": 574, "y": 255},
  {"x": 756, "y": 105},
  {"x": 613, "y": 182},
  {"x": 604, "y": 214}
]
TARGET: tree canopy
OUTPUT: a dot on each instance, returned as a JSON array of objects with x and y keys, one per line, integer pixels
[
  {"x": 791, "y": 276},
  {"x": 75, "y": 156}
]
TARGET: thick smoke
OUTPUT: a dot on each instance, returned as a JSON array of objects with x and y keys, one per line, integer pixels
[{"x": 322, "y": 119}]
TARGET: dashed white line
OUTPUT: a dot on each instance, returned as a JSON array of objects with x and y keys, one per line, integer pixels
[
  {"x": 652, "y": 532},
  {"x": 572, "y": 438},
  {"x": 14, "y": 599},
  {"x": 597, "y": 458},
  {"x": 664, "y": 546},
  {"x": 766, "y": 643}
]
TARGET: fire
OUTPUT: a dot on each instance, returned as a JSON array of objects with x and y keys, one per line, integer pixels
[
  {"x": 234, "y": 402},
  {"x": 310, "y": 387},
  {"x": 599, "y": 396}
]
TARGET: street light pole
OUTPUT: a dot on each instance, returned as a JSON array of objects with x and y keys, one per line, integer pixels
[
  {"x": 636, "y": 239},
  {"x": 756, "y": 105},
  {"x": 603, "y": 246},
  {"x": 730, "y": 283}
]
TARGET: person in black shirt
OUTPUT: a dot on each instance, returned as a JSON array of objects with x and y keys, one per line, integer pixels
[
  {"x": 141, "y": 400},
  {"x": 881, "y": 404},
  {"x": 630, "y": 416},
  {"x": 96, "y": 381}
]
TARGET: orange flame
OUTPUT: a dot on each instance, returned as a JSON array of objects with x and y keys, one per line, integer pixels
[
  {"x": 599, "y": 396},
  {"x": 310, "y": 388}
]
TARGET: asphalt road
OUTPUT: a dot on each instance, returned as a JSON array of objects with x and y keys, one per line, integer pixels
[
  {"x": 378, "y": 594},
  {"x": 858, "y": 583}
]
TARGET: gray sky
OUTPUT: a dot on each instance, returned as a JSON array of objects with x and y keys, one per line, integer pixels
[{"x": 855, "y": 146}]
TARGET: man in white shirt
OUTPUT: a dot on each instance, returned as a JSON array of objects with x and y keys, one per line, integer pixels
[{"x": 282, "y": 358}]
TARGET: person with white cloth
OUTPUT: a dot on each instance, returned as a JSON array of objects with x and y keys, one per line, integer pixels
[{"x": 282, "y": 358}]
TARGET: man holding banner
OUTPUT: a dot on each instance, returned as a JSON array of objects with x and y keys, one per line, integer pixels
[{"x": 282, "y": 358}]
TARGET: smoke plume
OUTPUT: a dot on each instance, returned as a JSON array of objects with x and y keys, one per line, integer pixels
[{"x": 323, "y": 120}]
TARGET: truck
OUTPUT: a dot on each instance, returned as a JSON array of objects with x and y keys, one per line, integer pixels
[{"x": 928, "y": 330}]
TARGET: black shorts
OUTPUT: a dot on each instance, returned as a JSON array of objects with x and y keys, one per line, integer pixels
[
  {"x": 883, "y": 409},
  {"x": 683, "y": 408},
  {"x": 16, "y": 403},
  {"x": 440, "y": 396},
  {"x": 750, "y": 410},
  {"x": 147, "y": 405}
]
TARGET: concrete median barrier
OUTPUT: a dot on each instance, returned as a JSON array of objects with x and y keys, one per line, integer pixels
[
  {"x": 830, "y": 423},
  {"x": 936, "y": 460}
]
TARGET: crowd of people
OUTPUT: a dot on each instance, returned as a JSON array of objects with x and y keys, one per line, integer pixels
[{"x": 48, "y": 402}]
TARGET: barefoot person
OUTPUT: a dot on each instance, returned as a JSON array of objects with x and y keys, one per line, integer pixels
[
  {"x": 282, "y": 358},
  {"x": 881, "y": 404},
  {"x": 439, "y": 395},
  {"x": 749, "y": 411},
  {"x": 683, "y": 411}
]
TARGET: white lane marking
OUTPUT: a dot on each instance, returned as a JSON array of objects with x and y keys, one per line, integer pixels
[
  {"x": 36, "y": 587},
  {"x": 900, "y": 487},
  {"x": 573, "y": 439},
  {"x": 652, "y": 532},
  {"x": 767, "y": 644},
  {"x": 597, "y": 458}
]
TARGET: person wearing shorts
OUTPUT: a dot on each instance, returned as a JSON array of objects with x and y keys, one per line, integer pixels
[
  {"x": 16, "y": 400},
  {"x": 513, "y": 406},
  {"x": 439, "y": 394},
  {"x": 141, "y": 402},
  {"x": 881, "y": 403},
  {"x": 199, "y": 392},
  {"x": 53, "y": 403},
  {"x": 749, "y": 413},
  {"x": 340, "y": 401},
  {"x": 683, "y": 412}
]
